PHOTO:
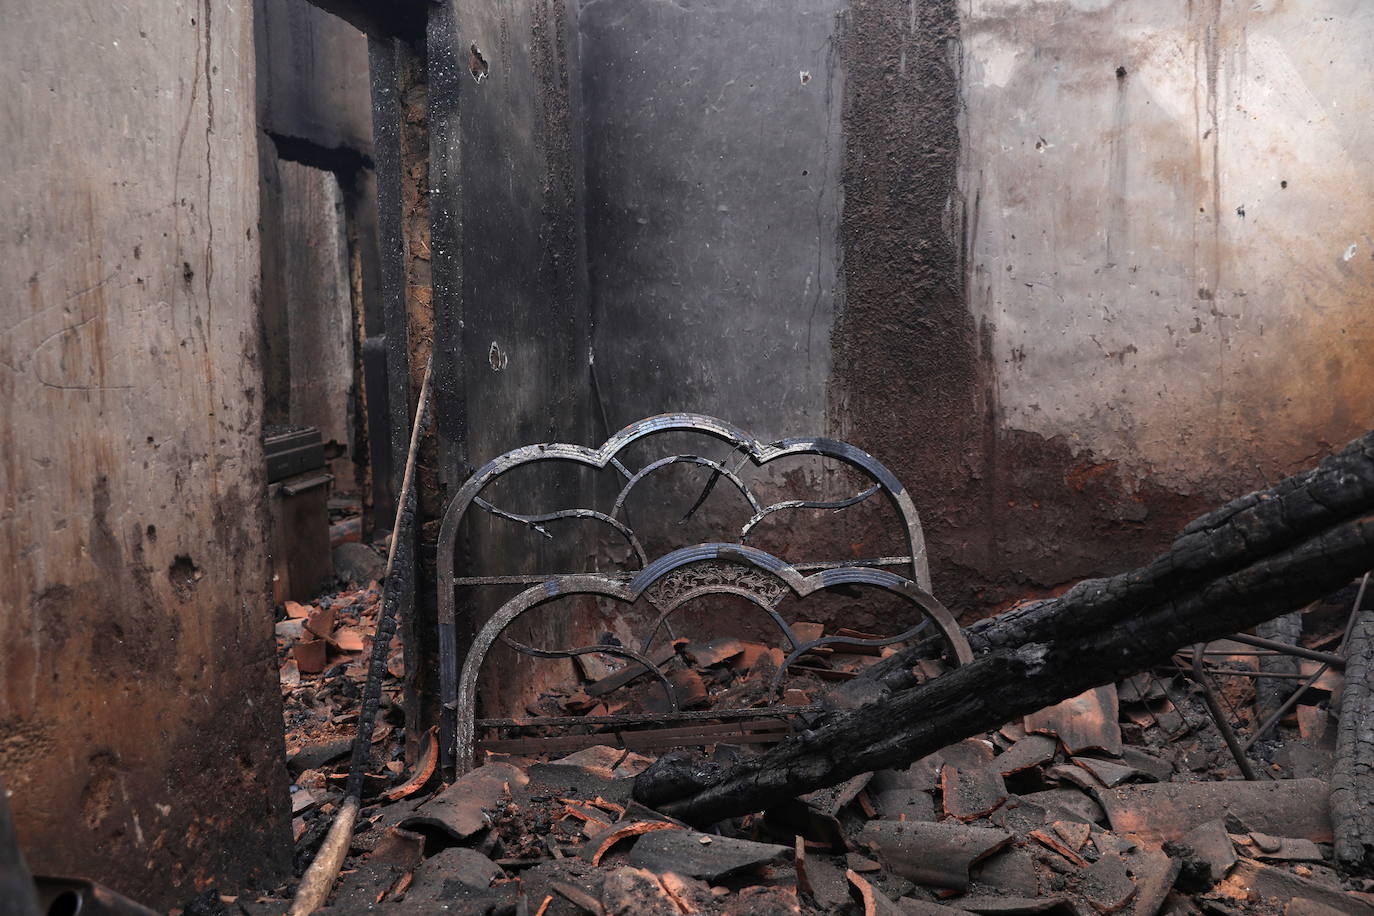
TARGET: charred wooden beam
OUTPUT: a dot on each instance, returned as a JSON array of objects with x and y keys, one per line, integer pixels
[
  {"x": 1285, "y": 630},
  {"x": 1255, "y": 558},
  {"x": 1352, "y": 778}
]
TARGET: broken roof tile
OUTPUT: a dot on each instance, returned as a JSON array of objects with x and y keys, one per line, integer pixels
[
  {"x": 936, "y": 854},
  {"x": 702, "y": 855},
  {"x": 1107, "y": 885},
  {"x": 1251, "y": 880},
  {"x": 1082, "y": 723},
  {"x": 1068, "y": 803},
  {"x": 1155, "y": 812},
  {"x": 1111, "y": 774},
  {"x": 1030, "y": 751},
  {"x": 461, "y": 809},
  {"x": 600, "y": 844},
  {"x": 635, "y": 892},
  {"x": 1010, "y": 871},
  {"x": 1211, "y": 846},
  {"x": 971, "y": 792}
]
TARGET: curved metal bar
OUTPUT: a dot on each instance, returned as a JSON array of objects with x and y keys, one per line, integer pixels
[
  {"x": 535, "y": 522},
  {"x": 464, "y": 702},
  {"x": 711, "y": 485},
  {"x": 598, "y": 458},
  {"x": 806, "y": 504},
  {"x": 733, "y": 553},
  {"x": 801, "y": 586},
  {"x": 718, "y": 468},
  {"x": 771, "y": 611}
]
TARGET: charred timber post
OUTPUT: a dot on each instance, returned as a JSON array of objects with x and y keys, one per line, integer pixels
[
  {"x": 1352, "y": 778},
  {"x": 1255, "y": 558},
  {"x": 401, "y": 120},
  {"x": 1284, "y": 630}
]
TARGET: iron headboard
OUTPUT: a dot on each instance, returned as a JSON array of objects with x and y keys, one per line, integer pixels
[{"x": 759, "y": 577}]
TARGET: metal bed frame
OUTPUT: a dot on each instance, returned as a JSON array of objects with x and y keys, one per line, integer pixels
[{"x": 672, "y": 581}]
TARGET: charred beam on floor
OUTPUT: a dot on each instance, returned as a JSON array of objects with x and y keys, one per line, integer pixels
[{"x": 1255, "y": 558}]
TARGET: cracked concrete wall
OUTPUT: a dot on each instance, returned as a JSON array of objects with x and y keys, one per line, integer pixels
[{"x": 140, "y": 717}]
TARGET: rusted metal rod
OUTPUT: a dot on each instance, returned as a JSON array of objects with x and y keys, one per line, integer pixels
[
  {"x": 393, "y": 593},
  {"x": 1259, "y": 642},
  {"x": 1231, "y": 672},
  {"x": 1209, "y": 696},
  {"x": 762, "y": 712}
]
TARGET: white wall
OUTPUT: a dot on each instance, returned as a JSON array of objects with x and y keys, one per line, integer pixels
[{"x": 1158, "y": 296}]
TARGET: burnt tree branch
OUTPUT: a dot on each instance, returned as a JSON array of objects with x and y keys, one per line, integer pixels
[{"x": 1255, "y": 558}]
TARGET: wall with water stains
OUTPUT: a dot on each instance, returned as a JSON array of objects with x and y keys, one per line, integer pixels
[
  {"x": 1169, "y": 232},
  {"x": 140, "y": 718}
]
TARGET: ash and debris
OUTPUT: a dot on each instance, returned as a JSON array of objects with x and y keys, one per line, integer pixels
[{"x": 1123, "y": 800}]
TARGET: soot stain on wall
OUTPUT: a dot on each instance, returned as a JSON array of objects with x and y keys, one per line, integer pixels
[{"x": 1007, "y": 514}]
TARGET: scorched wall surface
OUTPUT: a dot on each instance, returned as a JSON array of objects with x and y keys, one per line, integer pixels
[{"x": 140, "y": 720}]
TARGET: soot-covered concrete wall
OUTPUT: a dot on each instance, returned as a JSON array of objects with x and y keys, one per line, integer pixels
[
  {"x": 140, "y": 715},
  {"x": 312, "y": 77}
]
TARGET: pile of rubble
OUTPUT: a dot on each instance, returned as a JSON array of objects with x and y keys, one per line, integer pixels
[
  {"x": 323, "y": 650},
  {"x": 1122, "y": 800}
]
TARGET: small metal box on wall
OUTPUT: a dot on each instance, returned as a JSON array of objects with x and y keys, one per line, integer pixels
[{"x": 298, "y": 495}]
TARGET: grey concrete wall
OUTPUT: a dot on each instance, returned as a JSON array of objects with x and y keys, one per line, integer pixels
[
  {"x": 316, "y": 297},
  {"x": 314, "y": 109},
  {"x": 713, "y": 192},
  {"x": 140, "y": 714}
]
